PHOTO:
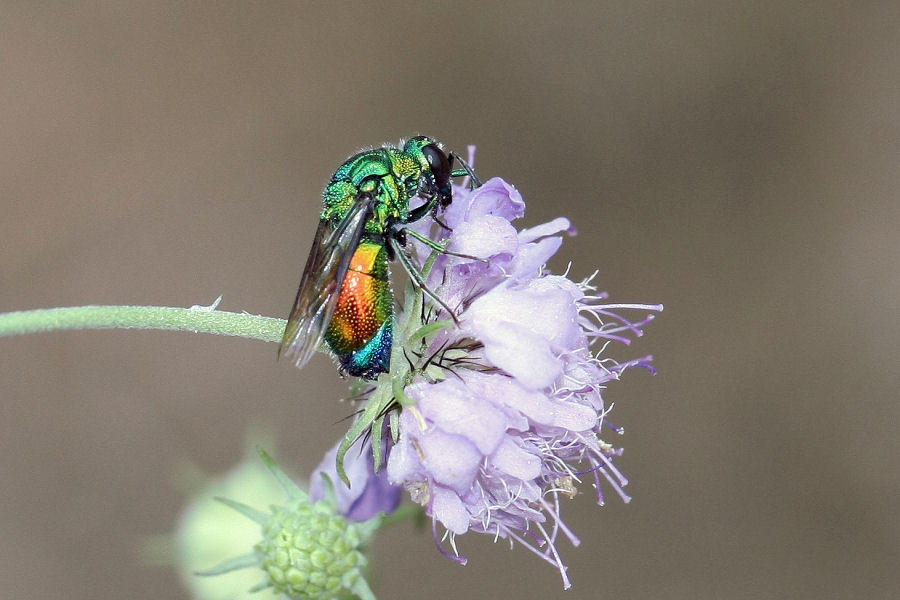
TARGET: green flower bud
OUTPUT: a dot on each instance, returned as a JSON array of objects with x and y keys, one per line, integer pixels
[{"x": 309, "y": 551}]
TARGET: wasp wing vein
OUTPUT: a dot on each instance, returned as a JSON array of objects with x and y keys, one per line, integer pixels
[{"x": 321, "y": 282}]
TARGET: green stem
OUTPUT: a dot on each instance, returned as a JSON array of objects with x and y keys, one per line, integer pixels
[
  {"x": 404, "y": 513},
  {"x": 197, "y": 320}
]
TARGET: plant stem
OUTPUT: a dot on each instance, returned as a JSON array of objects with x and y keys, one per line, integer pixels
[
  {"x": 405, "y": 512},
  {"x": 197, "y": 320}
]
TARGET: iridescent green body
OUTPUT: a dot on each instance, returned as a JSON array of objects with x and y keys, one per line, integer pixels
[
  {"x": 345, "y": 295},
  {"x": 390, "y": 175}
]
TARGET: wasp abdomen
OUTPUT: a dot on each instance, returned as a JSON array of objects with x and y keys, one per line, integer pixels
[{"x": 361, "y": 329}]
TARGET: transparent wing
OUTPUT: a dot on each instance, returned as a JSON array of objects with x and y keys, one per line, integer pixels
[{"x": 320, "y": 285}]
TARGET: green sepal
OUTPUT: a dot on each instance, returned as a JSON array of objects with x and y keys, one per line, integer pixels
[
  {"x": 293, "y": 491},
  {"x": 262, "y": 585},
  {"x": 404, "y": 513},
  {"x": 398, "y": 386},
  {"x": 376, "y": 432},
  {"x": 434, "y": 373},
  {"x": 426, "y": 330},
  {"x": 251, "y": 559},
  {"x": 394, "y": 424},
  {"x": 368, "y": 529},
  {"x": 372, "y": 417},
  {"x": 330, "y": 493},
  {"x": 361, "y": 588},
  {"x": 248, "y": 511},
  {"x": 455, "y": 353}
]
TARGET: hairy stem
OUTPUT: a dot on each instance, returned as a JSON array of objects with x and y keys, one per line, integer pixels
[{"x": 196, "y": 319}]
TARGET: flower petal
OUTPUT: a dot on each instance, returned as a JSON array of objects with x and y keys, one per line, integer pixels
[
  {"x": 451, "y": 460},
  {"x": 485, "y": 237},
  {"x": 514, "y": 461},
  {"x": 404, "y": 464},
  {"x": 496, "y": 197},
  {"x": 453, "y": 409},
  {"x": 368, "y": 494},
  {"x": 535, "y": 368},
  {"x": 531, "y": 258},
  {"x": 448, "y": 508},
  {"x": 545, "y": 229}
]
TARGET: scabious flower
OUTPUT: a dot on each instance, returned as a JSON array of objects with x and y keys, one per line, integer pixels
[
  {"x": 503, "y": 413},
  {"x": 309, "y": 549}
]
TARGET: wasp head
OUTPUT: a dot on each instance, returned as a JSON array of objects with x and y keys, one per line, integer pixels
[{"x": 436, "y": 168}]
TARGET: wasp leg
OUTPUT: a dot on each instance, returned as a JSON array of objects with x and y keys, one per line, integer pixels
[
  {"x": 442, "y": 224},
  {"x": 416, "y": 276},
  {"x": 435, "y": 246},
  {"x": 419, "y": 212}
]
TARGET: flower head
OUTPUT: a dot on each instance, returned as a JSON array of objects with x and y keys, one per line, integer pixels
[
  {"x": 309, "y": 550},
  {"x": 504, "y": 413}
]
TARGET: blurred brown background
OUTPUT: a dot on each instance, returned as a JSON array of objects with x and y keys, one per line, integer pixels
[{"x": 737, "y": 163}]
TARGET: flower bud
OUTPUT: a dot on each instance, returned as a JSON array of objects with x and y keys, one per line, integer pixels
[{"x": 310, "y": 551}]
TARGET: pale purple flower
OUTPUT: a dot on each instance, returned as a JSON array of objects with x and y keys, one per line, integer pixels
[
  {"x": 368, "y": 494},
  {"x": 507, "y": 417}
]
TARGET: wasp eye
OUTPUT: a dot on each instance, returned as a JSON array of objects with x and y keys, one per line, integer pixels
[{"x": 440, "y": 167}]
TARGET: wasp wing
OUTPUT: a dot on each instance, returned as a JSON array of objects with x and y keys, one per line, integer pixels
[{"x": 320, "y": 285}]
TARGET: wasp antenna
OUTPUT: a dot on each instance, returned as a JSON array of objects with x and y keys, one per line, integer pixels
[{"x": 467, "y": 170}]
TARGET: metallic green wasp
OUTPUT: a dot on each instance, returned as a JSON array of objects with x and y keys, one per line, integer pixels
[{"x": 345, "y": 295}]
